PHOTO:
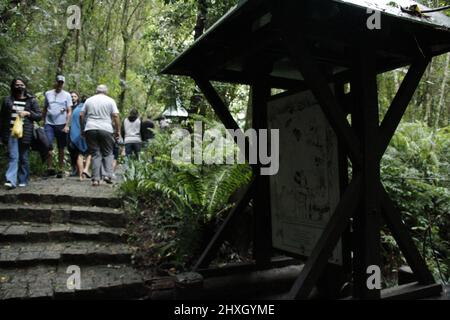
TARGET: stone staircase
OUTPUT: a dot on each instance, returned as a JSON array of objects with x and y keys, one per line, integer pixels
[{"x": 54, "y": 224}]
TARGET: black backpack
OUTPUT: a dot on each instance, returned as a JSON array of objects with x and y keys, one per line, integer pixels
[{"x": 40, "y": 143}]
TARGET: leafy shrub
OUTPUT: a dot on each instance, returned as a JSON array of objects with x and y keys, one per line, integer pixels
[
  {"x": 180, "y": 203},
  {"x": 415, "y": 172}
]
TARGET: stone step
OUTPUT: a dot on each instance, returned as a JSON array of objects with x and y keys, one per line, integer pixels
[
  {"x": 80, "y": 252},
  {"x": 60, "y": 213},
  {"x": 16, "y": 197},
  {"x": 32, "y": 232},
  {"x": 113, "y": 281}
]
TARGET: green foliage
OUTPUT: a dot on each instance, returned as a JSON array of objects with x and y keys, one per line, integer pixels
[
  {"x": 37, "y": 166},
  {"x": 178, "y": 201},
  {"x": 416, "y": 174},
  {"x": 35, "y": 43},
  {"x": 429, "y": 103},
  {"x": 191, "y": 197}
]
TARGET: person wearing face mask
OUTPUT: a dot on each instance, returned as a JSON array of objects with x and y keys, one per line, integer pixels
[{"x": 19, "y": 104}]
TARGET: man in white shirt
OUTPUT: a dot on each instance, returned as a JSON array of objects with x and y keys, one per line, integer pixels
[
  {"x": 57, "y": 115},
  {"x": 100, "y": 122}
]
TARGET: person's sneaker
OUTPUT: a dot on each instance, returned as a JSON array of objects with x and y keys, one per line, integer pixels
[
  {"x": 22, "y": 185},
  {"x": 9, "y": 186},
  {"x": 59, "y": 175}
]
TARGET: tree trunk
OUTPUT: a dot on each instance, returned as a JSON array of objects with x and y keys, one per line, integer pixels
[
  {"x": 126, "y": 41},
  {"x": 77, "y": 60},
  {"x": 249, "y": 114},
  {"x": 124, "y": 73},
  {"x": 428, "y": 98},
  {"x": 62, "y": 53},
  {"x": 443, "y": 93},
  {"x": 148, "y": 96},
  {"x": 200, "y": 26},
  {"x": 201, "y": 19},
  {"x": 108, "y": 24}
]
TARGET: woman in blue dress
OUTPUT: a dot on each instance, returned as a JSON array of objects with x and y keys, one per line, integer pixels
[{"x": 78, "y": 143}]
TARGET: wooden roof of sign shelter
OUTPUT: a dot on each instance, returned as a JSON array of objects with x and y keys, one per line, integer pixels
[
  {"x": 308, "y": 45},
  {"x": 332, "y": 28}
]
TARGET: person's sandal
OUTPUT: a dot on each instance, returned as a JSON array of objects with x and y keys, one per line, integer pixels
[
  {"x": 95, "y": 183},
  {"x": 86, "y": 175},
  {"x": 108, "y": 180}
]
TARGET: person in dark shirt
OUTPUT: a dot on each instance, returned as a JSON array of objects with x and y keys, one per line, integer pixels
[
  {"x": 19, "y": 104},
  {"x": 147, "y": 128}
]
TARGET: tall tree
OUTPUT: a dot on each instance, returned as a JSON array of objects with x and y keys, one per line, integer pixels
[
  {"x": 197, "y": 106},
  {"x": 440, "y": 114},
  {"x": 133, "y": 19}
]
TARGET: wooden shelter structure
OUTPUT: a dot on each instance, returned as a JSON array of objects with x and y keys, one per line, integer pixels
[{"x": 321, "y": 46}]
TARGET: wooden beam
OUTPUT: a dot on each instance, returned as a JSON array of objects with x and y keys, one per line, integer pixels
[
  {"x": 401, "y": 235},
  {"x": 303, "y": 60},
  {"x": 412, "y": 291},
  {"x": 241, "y": 267},
  {"x": 215, "y": 243},
  {"x": 262, "y": 244},
  {"x": 343, "y": 185},
  {"x": 239, "y": 77},
  {"x": 367, "y": 219},
  {"x": 216, "y": 102},
  {"x": 400, "y": 103},
  {"x": 240, "y": 48},
  {"x": 323, "y": 250},
  {"x": 382, "y": 67}
]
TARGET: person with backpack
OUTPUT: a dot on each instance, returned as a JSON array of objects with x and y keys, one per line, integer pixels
[
  {"x": 147, "y": 128},
  {"x": 20, "y": 105}
]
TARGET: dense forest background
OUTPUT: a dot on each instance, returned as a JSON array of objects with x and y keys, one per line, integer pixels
[{"x": 125, "y": 43}]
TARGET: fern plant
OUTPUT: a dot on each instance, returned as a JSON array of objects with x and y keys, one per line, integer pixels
[
  {"x": 194, "y": 196},
  {"x": 416, "y": 174}
]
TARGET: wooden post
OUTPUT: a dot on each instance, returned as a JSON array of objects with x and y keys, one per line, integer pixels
[
  {"x": 262, "y": 243},
  {"x": 367, "y": 221},
  {"x": 344, "y": 179},
  {"x": 334, "y": 276}
]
